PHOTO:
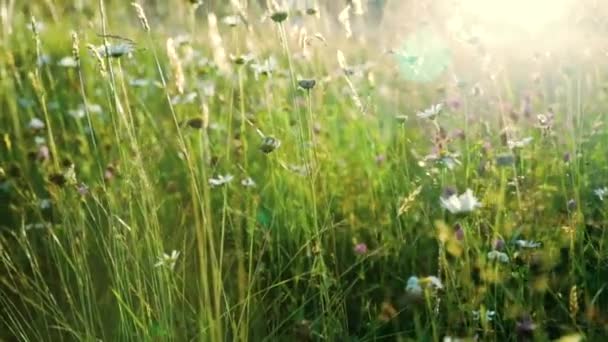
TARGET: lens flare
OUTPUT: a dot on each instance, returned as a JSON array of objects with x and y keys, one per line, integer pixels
[{"x": 529, "y": 15}]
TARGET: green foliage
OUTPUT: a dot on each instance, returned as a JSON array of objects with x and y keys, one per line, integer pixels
[{"x": 248, "y": 208}]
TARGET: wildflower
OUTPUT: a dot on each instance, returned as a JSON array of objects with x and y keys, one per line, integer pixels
[
  {"x": 184, "y": 99},
  {"x": 513, "y": 144},
  {"x": 248, "y": 183},
  {"x": 279, "y": 16},
  {"x": 36, "y": 124},
  {"x": 545, "y": 121},
  {"x": 68, "y": 62},
  {"x": 140, "y": 82},
  {"x": 303, "y": 330},
  {"x": 116, "y": 50},
  {"x": 81, "y": 110},
  {"x": 387, "y": 312},
  {"x": 83, "y": 189},
  {"x": 431, "y": 112},
  {"x": 44, "y": 204},
  {"x": 498, "y": 256},
  {"x": 476, "y": 90},
  {"x": 360, "y": 248},
  {"x": 505, "y": 159},
  {"x": 168, "y": 260},
  {"x": 307, "y": 84},
  {"x": 231, "y": 20},
  {"x": 265, "y": 67},
  {"x": 432, "y": 282},
  {"x": 221, "y": 180},
  {"x": 109, "y": 172},
  {"x": 43, "y": 60},
  {"x": 453, "y": 339},
  {"x": 413, "y": 286},
  {"x": 601, "y": 192},
  {"x": 459, "y": 232},
  {"x": 525, "y": 327},
  {"x": 527, "y": 244},
  {"x": 498, "y": 244},
  {"x": 571, "y": 205},
  {"x": 269, "y": 144},
  {"x": 242, "y": 59},
  {"x": 464, "y": 203},
  {"x": 37, "y": 226},
  {"x": 489, "y": 316}
]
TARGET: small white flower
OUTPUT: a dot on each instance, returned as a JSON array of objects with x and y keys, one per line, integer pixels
[
  {"x": 490, "y": 314},
  {"x": 430, "y": 112},
  {"x": 168, "y": 260},
  {"x": 464, "y": 203},
  {"x": 500, "y": 256},
  {"x": 601, "y": 192},
  {"x": 221, "y": 180},
  {"x": 31, "y": 226},
  {"x": 265, "y": 67},
  {"x": 527, "y": 244},
  {"x": 44, "y": 203},
  {"x": 77, "y": 113},
  {"x": 39, "y": 140},
  {"x": 433, "y": 282},
  {"x": 116, "y": 50},
  {"x": 453, "y": 339},
  {"x": 68, "y": 62},
  {"x": 140, "y": 82},
  {"x": 80, "y": 111},
  {"x": 519, "y": 143},
  {"x": 231, "y": 20},
  {"x": 36, "y": 124},
  {"x": 94, "y": 108},
  {"x": 207, "y": 88},
  {"x": 184, "y": 99},
  {"x": 248, "y": 182}
]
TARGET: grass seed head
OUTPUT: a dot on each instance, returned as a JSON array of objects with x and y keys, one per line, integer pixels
[{"x": 141, "y": 15}]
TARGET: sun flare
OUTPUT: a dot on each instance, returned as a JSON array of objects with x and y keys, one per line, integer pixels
[{"x": 529, "y": 15}]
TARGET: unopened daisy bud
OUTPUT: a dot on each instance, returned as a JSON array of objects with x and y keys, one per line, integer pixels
[
  {"x": 312, "y": 11},
  {"x": 279, "y": 16},
  {"x": 269, "y": 144},
  {"x": 307, "y": 84},
  {"x": 141, "y": 15},
  {"x": 195, "y": 123}
]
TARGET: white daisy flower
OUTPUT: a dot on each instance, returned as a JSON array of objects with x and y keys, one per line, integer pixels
[
  {"x": 68, "y": 62},
  {"x": 431, "y": 112},
  {"x": 36, "y": 124},
  {"x": 248, "y": 182},
  {"x": 519, "y": 143},
  {"x": 499, "y": 256},
  {"x": 527, "y": 244},
  {"x": 601, "y": 192},
  {"x": 168, "y": 260},
  {"x": 221, "y": 180},
  {"x": 463, "y": 203}
]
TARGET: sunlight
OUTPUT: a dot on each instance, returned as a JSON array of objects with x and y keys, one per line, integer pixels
[{"x": 529, "y": 15}]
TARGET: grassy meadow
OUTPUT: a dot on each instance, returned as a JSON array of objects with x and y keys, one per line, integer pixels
[{"x": 221, "y": 172}]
